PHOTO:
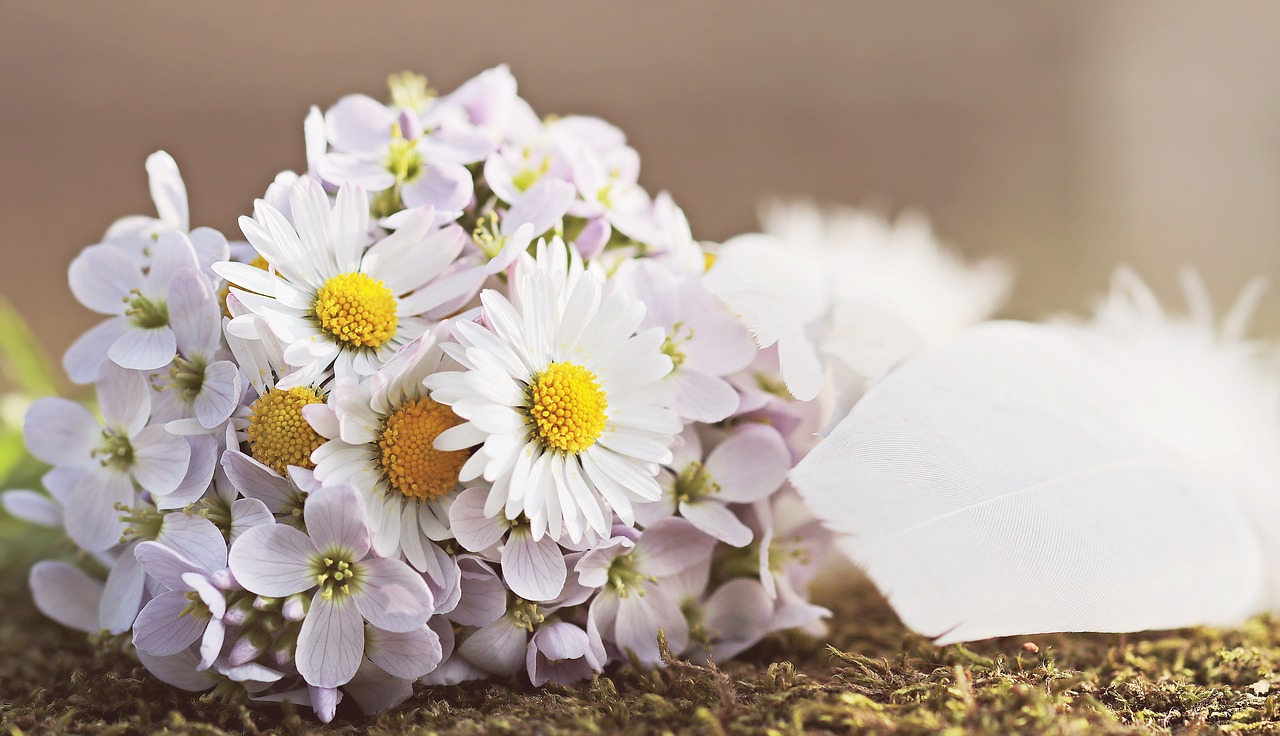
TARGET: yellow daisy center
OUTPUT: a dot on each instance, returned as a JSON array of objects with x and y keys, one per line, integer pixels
[
  {"x": 279, "y": 436},
  {"x": 412, "y": 464},
  {"x": 357, "y": 310},
  {"x": 567, "y": 407}
]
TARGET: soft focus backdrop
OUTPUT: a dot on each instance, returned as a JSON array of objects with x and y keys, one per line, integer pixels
[{"x": 1068, "y": 137}]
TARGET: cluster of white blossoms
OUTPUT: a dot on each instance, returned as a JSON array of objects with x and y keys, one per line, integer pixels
[{"x": 468, "y": 402}]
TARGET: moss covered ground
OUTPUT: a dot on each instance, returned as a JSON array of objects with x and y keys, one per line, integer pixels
[{"x": 869, "y": 675}]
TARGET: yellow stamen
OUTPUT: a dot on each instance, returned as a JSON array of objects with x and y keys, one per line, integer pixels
[
  {"x": 357, "y": 310},
  {"x": 413, "y": 466},
  {"x": 278, "y": 434},
  {"x": 567, "y": 407}
]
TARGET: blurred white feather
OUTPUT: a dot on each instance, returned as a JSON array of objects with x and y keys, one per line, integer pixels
[
  {"x": 1117, "y": 475},
  {"x": 846, "y": 294}
]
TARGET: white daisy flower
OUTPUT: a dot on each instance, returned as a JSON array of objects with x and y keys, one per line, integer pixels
[
  {"x": 381, "y": 433},
  {"x": 566, "y": 401},
  {"x": 333, "y": 299}
]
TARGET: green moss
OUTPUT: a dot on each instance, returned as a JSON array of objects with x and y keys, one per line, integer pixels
[{"x": 868, "y": 676}]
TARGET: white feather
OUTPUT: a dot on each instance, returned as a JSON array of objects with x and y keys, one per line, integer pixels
[{"x": 1022, "y": 479}]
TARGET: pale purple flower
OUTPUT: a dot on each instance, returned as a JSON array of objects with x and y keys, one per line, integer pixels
[
  {"x": 191, "y": 609},
  {"x": 107, "y": 459},
  {"x": 633, "y": 604},
  {"x": 201, "y": 386},
  {"x": 534, "y": 569},
  {"x": 536, "y": 211},
  {"x": 563, "y": 652},
  {"x": 137, "y": 234},
  {"x": 139, "y": 334},
  {"x": 705, "y": 342},
  {"x": 747, "y": 466},
  {"x": 350, "y": 585}
]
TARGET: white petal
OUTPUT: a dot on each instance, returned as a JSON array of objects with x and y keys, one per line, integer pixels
[
  {"x": 703, "y": 398},
  {"x": 195, "y": 538},
  {"x": 641, "y": 617}
]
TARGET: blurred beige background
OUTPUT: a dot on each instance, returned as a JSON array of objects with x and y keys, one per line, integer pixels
[{"x": 1067, "y": 136}]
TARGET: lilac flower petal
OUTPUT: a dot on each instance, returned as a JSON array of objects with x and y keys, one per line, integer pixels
[
  {"x": 144, "y": 349},
  {"x": 102, "y": 277},
  {"x": 194, "y": 314},
  {"x": 255, "y": 480},
  {"x": 336, "y": 519},
  {"x": 179, "y": 670},
  {"x": 714, "y": 518},
  {"x": 124, "y": 398},
  {"x": 32, "y": 507},
  {"x": 66, "y": 594},
  {"x": 391, "y": 596},
  {"x": 558, "y": 652},
  {"x": 331, "y": 642},
  {"x": 215, "y": 635},
  {"x": 409, "y": 654},
  {"x": 447, "y": 187},
  {"x": 246, "y": 513},
  {"x": 703, "y": 398},
  {"x": 542, "y": 206},
  {"x": 162, "y": 629},
  {"x": 740, "y": 612},
  {"x": 473, "y": 530},
  {"x": 498, "y": 648},
  {"x": 375, "y": 690},
  {"x": 93, "y": 521},
  {"x": 84, "y": 359},
  {"x": 219, "y": 394},
  {"x": 165, "y": 565},
  {"x": 195, "y": 538},
  {"x": 672, "y": 545},
  {"x": 274, "y": 560},
  {"x": 750, "y": 465},
  {"x": 484, "y": 596},
  {"x": 358, "y": 123},
  {"x": 122, "y": 596},
  {"x": 200, "y": 468},
  {"x": 60, "y": 432},
  {"x": 168, "y": 191},
  {"x": 640, "y": 617},
  {"x": 535, "y": 571},
  {"x": 160, "y": 460}
]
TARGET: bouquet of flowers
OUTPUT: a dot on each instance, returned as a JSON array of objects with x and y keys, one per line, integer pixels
[{"x": 467, "y": 403}]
